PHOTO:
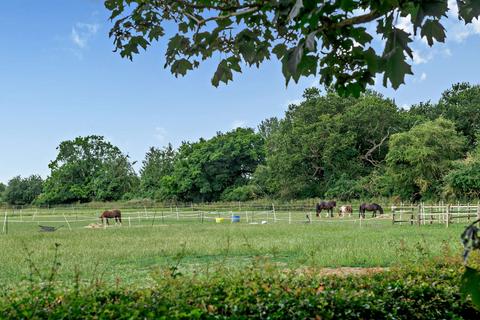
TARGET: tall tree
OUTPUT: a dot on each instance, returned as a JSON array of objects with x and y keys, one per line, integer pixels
[
  {"x": 2, "y": 191},
  {"x": 419, "y": 159},
  {"x": 461, "y": 104},
  {"x": 88, "y": 168},
  {"x": 207, "y": 168},
  {"x": 463, "y": 181},
  {"x": 158, "y": 165},
  {"x": 326, "y": 142},
  {"x": 21, "y": 191},
  {"x": 322, "y": 37}
]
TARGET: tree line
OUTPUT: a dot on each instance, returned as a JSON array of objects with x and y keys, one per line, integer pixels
[{"x": 326, "y": 146}]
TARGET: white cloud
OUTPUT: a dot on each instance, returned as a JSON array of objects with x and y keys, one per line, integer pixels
[
  {"x": 453, "y": 8},
  {"x": 160, "y": 134},
  {"x": 405, "y": 24},
  {"x": 82, "y": 33},
  {"x": 447, "y": 52},
  {"x": 238, "y": 124},
  {"x": 419, "y": 57},
  {"x": 423, "y": 76}
]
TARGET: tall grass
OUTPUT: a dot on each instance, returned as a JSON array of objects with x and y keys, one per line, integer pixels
[{"x": 132, "y": 254}]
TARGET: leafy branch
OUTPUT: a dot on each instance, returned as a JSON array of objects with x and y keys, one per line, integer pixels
[{"x": 310, "y": 38}]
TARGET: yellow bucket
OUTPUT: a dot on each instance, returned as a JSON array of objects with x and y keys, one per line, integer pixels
[{"x": 219, "y": 220}]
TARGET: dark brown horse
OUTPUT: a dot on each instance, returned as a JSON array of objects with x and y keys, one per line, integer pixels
[
  {"x": 109, "y": 214},
  {"x": 369, "y": 207},
  {"x": 326, "y": 205}
]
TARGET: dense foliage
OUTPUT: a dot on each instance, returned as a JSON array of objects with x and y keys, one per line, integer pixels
[
  {"x": 86, "y": 169},
  {"x": 22, "y": 191},
  {"x": 155, "y": 171},
  {"x": 257, "y": 292},
  {"x": 326, "y": 38},
  {"x": 209, "y": 170},
  {"x": 419, "y": 159},
  {"x": 325, "y": 146}
]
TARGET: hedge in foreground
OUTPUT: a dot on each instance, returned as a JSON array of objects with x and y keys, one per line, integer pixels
[{"x": 258, "y": 293}]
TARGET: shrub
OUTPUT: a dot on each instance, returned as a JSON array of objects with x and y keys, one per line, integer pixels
[{"x": 258, "y": 292}]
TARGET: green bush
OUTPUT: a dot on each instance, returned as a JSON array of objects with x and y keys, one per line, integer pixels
[
  {"x": 259, "y": 292},
  {"x": 241, "y": 193}
]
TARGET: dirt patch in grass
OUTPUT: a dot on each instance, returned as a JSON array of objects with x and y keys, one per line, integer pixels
[{"x": 342, "y": 271}]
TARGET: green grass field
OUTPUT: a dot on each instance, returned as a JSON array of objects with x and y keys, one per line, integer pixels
[{"x": 134, "y": 251}]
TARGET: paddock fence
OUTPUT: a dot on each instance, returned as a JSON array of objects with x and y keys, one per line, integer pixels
[
  {"x": 446, "y": 214},
  {"x": 73, "y": 217}
]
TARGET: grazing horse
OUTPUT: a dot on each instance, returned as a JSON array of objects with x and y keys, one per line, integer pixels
[
  {"x": 327, "y": 205},
  {"x": 344, "y": 210},
  {"x": 369, "y": 207},
  {"x": 116, "y": 214}
]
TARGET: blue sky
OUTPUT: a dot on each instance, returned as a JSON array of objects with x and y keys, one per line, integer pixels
[{"x": 60, "y": 79}]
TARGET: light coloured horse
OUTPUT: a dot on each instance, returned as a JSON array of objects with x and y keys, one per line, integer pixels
[{"x": 344, "y": 210}]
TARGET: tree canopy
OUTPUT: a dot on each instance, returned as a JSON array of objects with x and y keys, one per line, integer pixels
[
  {"x": 21, "y": 191},
  {"x": 86, "y": 169},
  {"x": 327, "y": 146},
  {"x": 328, "y": 38},
  {"x": 420, "y": 158}
]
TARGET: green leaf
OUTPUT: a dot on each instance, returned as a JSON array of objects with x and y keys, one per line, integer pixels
[
  {"x": 470, "y": 285},
  {"x": 372, "y": 59},
  {"x": 223, "y": 74},
  {"x": 155, "y": 33},
  {"x": 361, "y": 35},
  {"x": 181, "y": 67},
  {"x": 468, "y": 10},
  {"x": 294, "y": 58},
  {"x": 183, "y": 27},
  {"x": 396, "y": 68},
  {"x": 433, "y": 30},
  {"x": 247, "y": 50},
  {"x": 279, "y": 50},
  {"x": 435, "y": 8}
]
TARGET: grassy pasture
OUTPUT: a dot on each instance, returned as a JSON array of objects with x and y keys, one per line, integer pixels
[{"x": 134, "y": 251}]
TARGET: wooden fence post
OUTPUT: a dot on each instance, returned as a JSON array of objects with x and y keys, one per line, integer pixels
[
  {"x": 154, "y": 215},
  {"x": 478, "y": 210},
  {"x": 65, "y": 217},
  {"x": 393, "y": 209},
  {"x": 274, "y": 213},
  {"x": 419, "y": 216},
  {"x": 448, "y": 215},
  {"x": 5, "y": 223}
]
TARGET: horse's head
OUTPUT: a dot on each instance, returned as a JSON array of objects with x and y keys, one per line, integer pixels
[{"x": 380, "y": 209}]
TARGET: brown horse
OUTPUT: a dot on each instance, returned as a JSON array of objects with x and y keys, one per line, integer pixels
[
  {"x": 109, "y": 214},
  {"x": 326, "y": 205},
  {"x": 370, "y": 207}
]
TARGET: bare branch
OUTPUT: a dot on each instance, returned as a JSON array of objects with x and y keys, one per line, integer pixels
[{"x": 368, "y": 155}]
